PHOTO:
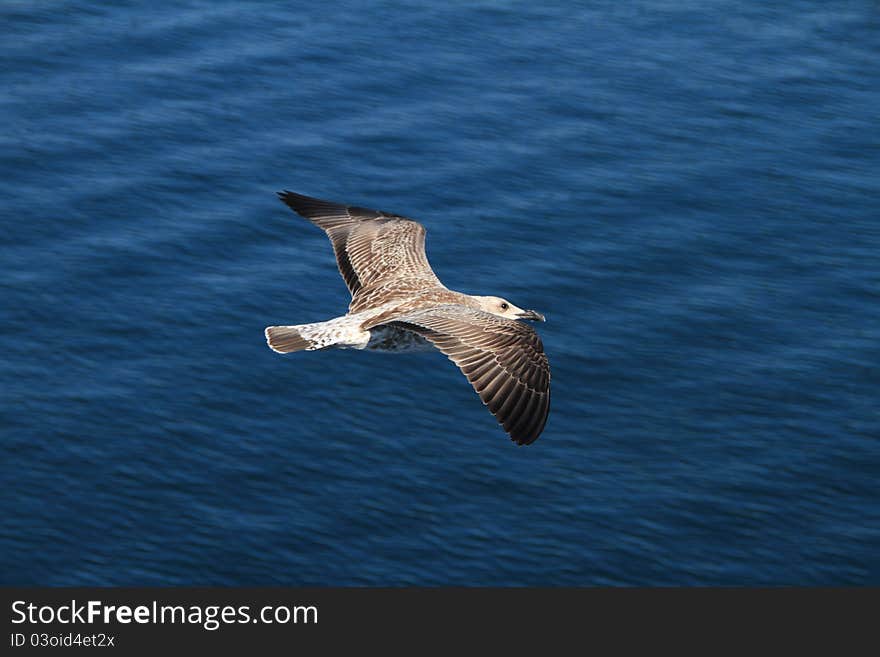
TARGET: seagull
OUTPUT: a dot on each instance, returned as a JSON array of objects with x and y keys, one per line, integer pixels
[{"x": 399, "y": 305}]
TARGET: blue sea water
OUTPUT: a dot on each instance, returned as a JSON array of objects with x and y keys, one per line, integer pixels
[{"x": 688, "y": 190}]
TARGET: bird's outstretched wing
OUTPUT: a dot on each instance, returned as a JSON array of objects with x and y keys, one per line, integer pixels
[
  {"x": 503, "y": 359},
  {"x": 380, "y": 255}
]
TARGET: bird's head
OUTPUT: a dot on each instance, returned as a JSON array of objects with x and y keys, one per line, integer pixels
[{"x": 503, "y": 308}]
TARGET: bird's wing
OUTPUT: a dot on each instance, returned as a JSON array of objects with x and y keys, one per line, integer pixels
[
  {"x": 380, "y": 255},
  {"x": 503, "y": 359}
]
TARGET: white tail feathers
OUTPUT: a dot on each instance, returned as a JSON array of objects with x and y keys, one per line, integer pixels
[{"x": 342, "y": 332}]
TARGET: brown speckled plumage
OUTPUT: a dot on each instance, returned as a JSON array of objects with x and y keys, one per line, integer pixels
[{"x": 381, "y": 257}]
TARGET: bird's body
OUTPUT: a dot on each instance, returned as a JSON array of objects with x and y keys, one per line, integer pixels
[
  {"x": 348, "y": 332},
  {"x": 393, "y": 340},
  {"x": 399, "y": 305}
]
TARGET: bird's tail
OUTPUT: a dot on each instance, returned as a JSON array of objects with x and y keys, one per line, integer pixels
[
  {"x": 285, "y": 339},
  {"x": 342, "y": 332}
]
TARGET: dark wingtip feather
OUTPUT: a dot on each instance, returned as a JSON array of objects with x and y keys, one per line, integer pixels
[{"x": 309, "y": 207}]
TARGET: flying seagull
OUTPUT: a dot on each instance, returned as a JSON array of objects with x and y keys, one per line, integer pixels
[{"x": 398, "y": 304}]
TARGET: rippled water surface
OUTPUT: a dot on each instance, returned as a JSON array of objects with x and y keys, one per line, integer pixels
[{"x": 688, "y": 190}]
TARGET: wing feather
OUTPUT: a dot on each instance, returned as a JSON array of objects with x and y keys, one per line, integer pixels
[
  {"x": 380, "y": 255},
  {"x": 504, "y": 361}
]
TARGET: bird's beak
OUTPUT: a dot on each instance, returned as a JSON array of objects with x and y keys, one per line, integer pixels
[{"x": 531, "y": 314}]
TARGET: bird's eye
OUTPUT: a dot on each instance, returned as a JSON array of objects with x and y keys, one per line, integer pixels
[{"x": 504, "y": 306}]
